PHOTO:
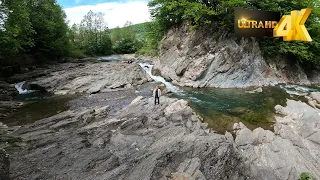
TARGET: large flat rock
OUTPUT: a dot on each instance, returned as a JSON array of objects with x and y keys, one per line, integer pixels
[
  {"x": 141, "y": 141},
  {"x": 89, "y": 78}
]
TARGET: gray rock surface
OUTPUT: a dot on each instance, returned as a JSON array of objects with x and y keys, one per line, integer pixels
[
  {"x": 90, "y": 78},
  {"x": 203, "y": 58},
  {"x": 292, "y": 149},
  {"x": 141, "y": 141},
  {"x": 315, "y": 96},
  {"x": 4, "y": 165},
  {"x": 7, "y": 105},
  {"x": 7, "y": 91}
]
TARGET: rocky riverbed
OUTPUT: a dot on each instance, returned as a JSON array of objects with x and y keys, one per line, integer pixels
[
  {"x": 141, "y": 141},
  {"x": 167, "y": 141},
  {"x": 90, "y": 78},
  {"x": 112, "y": 133}
]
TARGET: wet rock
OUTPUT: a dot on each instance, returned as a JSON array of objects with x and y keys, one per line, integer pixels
[
  {"x": 7, "y": 107},
  {"x": 7, "y": 91},
  {"x": 258, "y": 90}
]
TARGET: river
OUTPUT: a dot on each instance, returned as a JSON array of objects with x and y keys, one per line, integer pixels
[{"x": 220, "y": 108}]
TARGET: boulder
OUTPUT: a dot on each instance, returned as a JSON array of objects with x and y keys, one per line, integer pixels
[
  {"x": 315, "y": 96},
  {"x": 245, "y": 137}
]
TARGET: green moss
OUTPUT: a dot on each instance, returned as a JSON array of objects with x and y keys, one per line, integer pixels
[
  {"x": 9, "y": 142},
  {"x": 253, "y": 117},
  {"x": 147, "y": 52},
  {"x": 306, "y": 176}
]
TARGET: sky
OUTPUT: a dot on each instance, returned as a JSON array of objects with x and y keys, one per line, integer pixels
[{"x": 117, "y": 12}]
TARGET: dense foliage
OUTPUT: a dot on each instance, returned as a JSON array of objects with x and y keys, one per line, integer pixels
[
  {"x": 128, "y": 39},
  {"x": 37, "y": 32},
  {"x": 91, "y": 37},
  {"x": 202, "y": 12},
  {"x": 32, "y": 30}
]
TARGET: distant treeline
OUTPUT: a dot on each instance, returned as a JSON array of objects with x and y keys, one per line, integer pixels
[{"x": 36, "y": 32}]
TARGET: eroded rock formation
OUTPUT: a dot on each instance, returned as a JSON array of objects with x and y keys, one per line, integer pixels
[
  {"x": 204, "y": 58},
  {"x": 142, "y": 141}
]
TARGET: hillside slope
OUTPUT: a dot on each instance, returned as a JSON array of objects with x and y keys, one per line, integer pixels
[{"x": 204, "y": 58}]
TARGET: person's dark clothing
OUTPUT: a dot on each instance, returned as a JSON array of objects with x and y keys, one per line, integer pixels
[{"x": 156, "y": 96}]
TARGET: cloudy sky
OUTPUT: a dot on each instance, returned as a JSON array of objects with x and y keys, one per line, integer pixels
[{"x": 117, "y": 12}]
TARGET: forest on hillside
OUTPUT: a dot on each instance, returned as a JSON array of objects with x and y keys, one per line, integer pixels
[{"x": 37, "y": 32}]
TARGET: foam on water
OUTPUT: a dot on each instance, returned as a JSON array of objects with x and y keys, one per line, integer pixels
[
  {"x": 298, "y": 90},
  {"x": 148, "y": 68},
  {"x": 19, "y": 86}
]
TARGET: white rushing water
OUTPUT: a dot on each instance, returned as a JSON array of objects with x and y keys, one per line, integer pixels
[
  {"x": 148, "y": 68},
  {"x": 298, "y": 90},
  {"x": 22, "y": 91}
]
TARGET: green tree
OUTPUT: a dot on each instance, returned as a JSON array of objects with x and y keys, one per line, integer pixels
[
  {"x": 48, "y": 20},
  {"x": 15, "y": 30},
  {"x": 94, "y": 35},
  {"x": 125, "y": 39}
]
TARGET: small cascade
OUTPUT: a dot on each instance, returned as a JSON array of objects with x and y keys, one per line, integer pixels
[
  {"x": 298, "y": 90},
  {"x": 148, "y": 68},
  {"x": 19, "y": 86}
]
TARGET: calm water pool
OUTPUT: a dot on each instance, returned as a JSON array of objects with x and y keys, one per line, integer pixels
[
  {"x": 221, "y": 108},
  {"x": 37, "y": 106}
]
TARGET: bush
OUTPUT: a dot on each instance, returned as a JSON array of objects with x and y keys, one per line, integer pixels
[
  {"x": 306, "y": 176},
  {"x": 147, "y": 52}
]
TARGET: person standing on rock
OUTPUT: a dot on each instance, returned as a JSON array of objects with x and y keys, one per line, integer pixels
[{"x": 156, "y": 95}]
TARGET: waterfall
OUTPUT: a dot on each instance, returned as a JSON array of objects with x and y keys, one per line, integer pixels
[
  {"x": 171, "y": 87},
  {"x": 22, "y": 91}
]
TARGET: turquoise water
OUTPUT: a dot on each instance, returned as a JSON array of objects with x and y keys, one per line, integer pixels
[{"x": 221, "y": 108}]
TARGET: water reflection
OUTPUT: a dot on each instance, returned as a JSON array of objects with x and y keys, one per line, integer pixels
[
  {"x": 221, "y": 108},
  {"x": 37, "y": 106}
]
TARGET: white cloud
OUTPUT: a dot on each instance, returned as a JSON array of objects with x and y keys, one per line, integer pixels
[{"x": 116, "y": 14}]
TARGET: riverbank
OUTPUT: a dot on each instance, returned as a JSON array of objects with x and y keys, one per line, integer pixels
[
  {"x": 85, "y": 77},
  {"x": 110, "y": 133},
  {"x": 143, "y": 141}
]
